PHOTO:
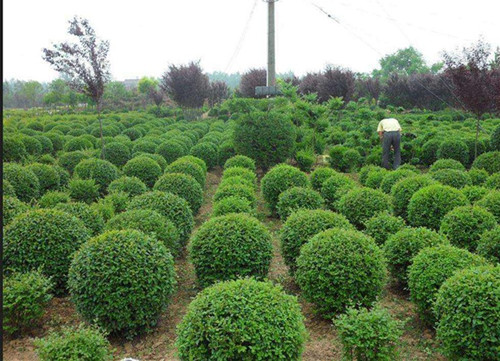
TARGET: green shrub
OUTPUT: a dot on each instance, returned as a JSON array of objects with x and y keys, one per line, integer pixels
[
  {"x": 48, "y": 178},
  {"x": 375, "y": 177},
  {"x": 240, "y": 172},
  {"x": 89, "y": 216},
  {"x": 53, "y": 198},
  {"x": 430, "y": 268},
  {"x": 401, "y": 247},
  {"x": 144, "y": 168},
  {"x": 25, "y": 296},
  {"x": 305, "y": 159},
  {"x": 430, "y": 204},
  {"x": 301, "y": 226},
  {"x": 352, "y": 160},
  {"x": 116, "y": 153},
  {"x": 369, "y": 335},
  {"x": 280, "y": 178},
  {"x": 31, "y": 144},
  {"x": 46, "y": 239},
  {"x": 133, "y": 186},
  {"x": 207, "y": 152},
  {"x": 467, "y": 312},
  {"x": 296, "y": 198},
  {"x": 102, "y": 171},
  {"x": 241, "y": 191},
  {"x": 170, "y": 150},
  {"x": 272, "y": 328},
  {"x": 8, "y": 189},
  {"x": 446, "y": 164},
  {"x": 190, "y": 168},
  {"x": 56, "y": 139},
  {"x": 334, "y": 188},
  {"x": 381, "y": 226},
  {"x": 319, "y": 176},
  {"x": 454, "y": 149},
  {"x": 229, "y": 247},
  {"x": 491, "y": 202},
  {"x": 71, "y": 159},
  {"x": 82, "y": 343},
  {"x": 237, "y": 180},
  {"x": 12, "y": 207},
  {"x": 493, "y": 181},
  {"x": 143, "y": 145},
  {"x": 232, "y": 204},
  {"x": 474, "y": 193},
  {"x": 83, "y": 190},
  {"x": 46, "y": 143},
  {"x": 156, "y": 157},
  {"x": 226, "y": 151},
  {"x": 140, "y": 279},
  {"x": 13, "y": 150},
  {"x": 464, "y": 225},
  {"x": 428, "y": 154},
  {"x": 47, "y": 159},
  {"x": 336, "y": 158},
  {"x": 404, "y": 189},
  {"x": 489, "y": 161},
  {"x": 488, "y": 245},
  {"x": 266, "y": 137},
  {"x": 119, "y": 201},
  {"x": 478, "y": 176},
  {"x": 182, "y": 185},
  {"x": 24, "y": 181},
  {"x": 76, "y": 144},
  {"x": 196, "y": 160},
  {"x": 391, "y": 178},
  {"x": 452, "y": 177},
  {"x": 360, "y": 204},
  {"x": 240, "y": 161},
  {"x": 339, "y": 268},
  {"x": 175, "y": 208},
  {"x": 495, "y": 139}
]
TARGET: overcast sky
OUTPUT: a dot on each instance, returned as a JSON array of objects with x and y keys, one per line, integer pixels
[{"x": 146, "y": 36}]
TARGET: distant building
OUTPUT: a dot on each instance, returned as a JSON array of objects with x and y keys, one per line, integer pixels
[{"x": 131, "y": 83}]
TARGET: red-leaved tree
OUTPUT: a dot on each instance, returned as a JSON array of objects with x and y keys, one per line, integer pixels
[
  {"x": 187, "y": 85},
  {"x": 336, "y": 82},
  {"x": 250, "y": 80}
]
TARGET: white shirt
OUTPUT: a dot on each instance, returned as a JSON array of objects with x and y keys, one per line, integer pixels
[{"x": 388, "y": 125}]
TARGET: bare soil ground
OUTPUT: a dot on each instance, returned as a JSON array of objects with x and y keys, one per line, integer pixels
[{"x": 417, "y": 343}]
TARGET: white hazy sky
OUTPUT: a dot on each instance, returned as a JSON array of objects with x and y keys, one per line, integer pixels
[{"x": 148, "y": 35}]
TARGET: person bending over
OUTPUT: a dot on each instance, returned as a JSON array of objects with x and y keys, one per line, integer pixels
[{"x": 389, "y": 132}]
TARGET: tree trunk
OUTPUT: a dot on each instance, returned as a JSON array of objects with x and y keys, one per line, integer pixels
[{"x": 98, "y": 106}]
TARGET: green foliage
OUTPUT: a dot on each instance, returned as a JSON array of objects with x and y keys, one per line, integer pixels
[
  {"x": 336, "y": 158},
  {"x": 25, "y": 296},
  {"x": 467, "y": 311},
  {"x": 208, "y": 152},
  {"x": 8, "y": 189},
  {"x": 245, "y": 173},
  {"x": 13, "y": 150},
  {"x": 489, "y": 161},
  {"x": 280, "y": 178},
  {"x": 144, "y": 168},
  {"x": 369, "y": 335},
  {"x": 404, "y": 189},
  {"x": 78, "y": 143},
  {"x": 352, "y": 160},
  {"x": 12, "y": 207},
  {"x": 381, "y": 226},
  {"x": 184, "y": 186},
  {"x": 190, "y": 168},
  {"x": 360, "y": 204},
  {"x": 31, "y": 144},
  {"x": 375, "y": 177},
  {"x": 133, "y": 186},
  {"x": 305, "y": 159},
  {"x": 493, "y": 181},
  {"x": 48, "y": 178},
  {"x": 232, "y": 204},
  {"x": 266, "y": 137},
  {"x": 428, "y": 154},
  {"x": 140, "y": 279},
  {"x": 236, "y": 181},
  {"x": 474, "y": 193},
  {"x": 319, "y": 176},
  {"x": 272, "y": 327},
  {"x": 430, "y": 268},
  {"x": 491, "y": 202},
  {"x": 117, "y": 153},
  {"x": 488, "y": 245},
  {"x": 81, "y": 343},
  {"x": 53, "y": 198},
  {"x": 478, "y": 176},
  {"x": 495, "y": 139},
  {"x": 170, "y": 150},
  {"x": 365, "y": 171},
  {"x": 401, "y": 247},
  {"x": 71, "y": 159},
  {"x": 430, "y": 204},
  {"x": 83, "y": 190},
  {"x": 452, "y": 177},
  {"x": 301, "y": 226},
  {"x": 24, "y": 181},
  {"x": 446, "y": 164},
  {"x": 196, "y": 160},
  {"x": 391, "y": 178},
  {"x": 237, "y": 190},
  {"x": 296, "y": 198},
  {"x": 45, "y": 239},
  {"x": 454, "y": 149},
  {"x": 89, "y": 216},
  {"x": 240, "y": 161},
  {"x": 339, "y": 268},
  {"x": 102, "y": 171}
]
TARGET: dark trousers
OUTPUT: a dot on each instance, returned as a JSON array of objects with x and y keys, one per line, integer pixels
[{"x": 391, "y": 139}]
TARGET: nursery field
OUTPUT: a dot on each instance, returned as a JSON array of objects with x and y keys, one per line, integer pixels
[{"x": 264, "y": 230}]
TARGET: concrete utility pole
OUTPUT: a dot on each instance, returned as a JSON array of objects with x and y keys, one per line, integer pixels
[{"x": 271, "y": 60}]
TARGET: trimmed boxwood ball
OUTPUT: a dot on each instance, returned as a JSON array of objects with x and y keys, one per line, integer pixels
[
  {"x": 213, "y": 328},
  {"x": 71, "y": 159},
  {"x": 193, "y": 159},
  {"x": 46, "y": 143},
  {"x": 133, "y": 186},
  {"x": 446, "y": 164},
  {"x": 13, "y": 150},
  {"x": 89, "y": 216},
  {"x": 139, "y": 279},
  {"x": 149, "y": 222},
  {"x": 301, "y": 226},
  {"x": 32, "y": 145},
  {"x": 430, "y": 204},
  {"x": 240, "y": 172},
  {"x": 240, "y": 161},
  {"x": 233, "y": 204},
  {"x": 190, "y": 168},
  {"x": 226, "y": 151},
  {"x": 143, "y": 145},
  {"x": 184, "y": 186},
  {"x": 144, "y": 168},
  {"x": 12, "y": 207},
  {"x": 495, "y": 139},
  {"x": 493, "y": 181},
  {"x": 489, "y": 161},
  {"x": 360, "y": 204},
  {"x": 334, "y": 188},
  {"x": 400, "y": 248},
  {"x": 452, "y": 177},
  {"x": 173, "y": 207},
  {"x": 117, "y": 153},
  {"x": 230, "y": 247},
  {"x": 237, "y": 190},
  {"x": 206, "y": 151},
  {"x": 102, "y": 171},
  {"x": 237, "y": 180},
  {"x": 170, "y": 150},
  {"x": 491, "y": 202},
  {"x": 478, "y": 176},
  {"x": 156, "y": 157},
  {"x": 375, "y": 177},
  {"x": 393, "y": 177},
  {"x": 296, "y": 198},
  {"x": 467, "y": 311},
  {"x": 43, "y": 238},
  {"x": 48, "y": 178},
  {"x": 53, "y": 198},
  {"x": 339, "y": 268},
  {"x": 24, "y": 181},
  {"x": 404, "y": 189},
  {"x": 8, "y": 189},
  {"x": 463, "y": 226},
  {"x": 319, "y": 176},
  {"x": 428, "y": 154},
  {"x": 381, "y": 226},
  {"x": 474, "y": 193},
  {"x": 430, "y": 268},
  {"x": 79, "y": 143},
  {"x": 454, "y": 149},
  {"x": 280, "y": 178},
  {"x": 488, "y": 245},
  {"x": 364, "y": 171}
]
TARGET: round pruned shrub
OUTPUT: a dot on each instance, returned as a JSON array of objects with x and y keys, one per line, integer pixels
[
  {"x": 452, "y": 177},
  {"x": 339, "y": 268},
  {"x": 364, "y": 171},
  {"x": 301, "y": 226},
  {"x": 240, "y": 172},
  {"x": 25, "y": 296},
  {"x": 8, "y": 189},
  {"x": 156, "y": 157},
  {"x": 196, "y": 160},
  {"x": 143, "y": 145},
  {"x": 495, "y": 139},
  {"x": 474, "y": 193},
  {"x": 237, "y": 180},
  {"x": 83, "y": 190},
  {"x": 428, "y": 154},
  {"x": 493, "y": 181},
  {"x": 102, "y": 171},
  {"x": 401, "y": 247},
  {"x": 190, "y": 168},
  {"x": 71, "y": 159},
  {"x": 12, "y": 207},
  {"x": 230, "y": 247},
  {"x": 207, "y": 152},
  {"x": 319, "y": 176},
  {"x": 446, "y": 164},
  {"x": 404, "y": 189},
  {"x": 360, "y": 204},
  {"x": 334, "y": 188},
  {"x": 454, "y": 149},
  {"x": 46, "y": 239},
  {"x": 305, "y": 159},
  {"x": 31, "y": 144},
  {"x": 89, "y": 216},
  {"x": 391, "y": 178},
  {"x": 430, "y": 204},
  {"x": 232, "y": 204},
  {"x": 478, "y": 176},
  {"x": 117, "y": 153},
  {"x": 375, "y": 177},
  {"x": 53, "y": 198},
  {"x": 463, "y": 226},
  {"x": 272, "y": 329},
  {"x": 47, "y": 147},
  {"x": 381, "y": 226},
  {"x": 237, "y": 190},
  {"x": 226, "y": 151},
  {"x": 78, "y": 143},
  {"x": 48, "y": 178},
  {"x": 240, "y": 161},
  {"x": 175, "y": 208},
  {"x": 280, "y": 178},
  {"x": 24, "y": 181},
  {"x": 296, "y": 198},
  {"x": 170, "y": 150},
  {"x": 13, "y": 150},
  {"x": 133, "y": 186},
  {"x": 182, "y": 185},
  {"x": 488, "y": 245},
  {"x": 140, "y": 279},
  {"x": 467, "y": 312},
  {"x": 491, "y": 202},
  {"x": 144, "y": 168},
  {"x": 430, "y": 268},
  {"x": 489, "y": 161}
]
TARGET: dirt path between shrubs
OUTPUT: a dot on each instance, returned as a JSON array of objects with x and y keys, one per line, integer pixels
[{"x": 323, "y": 343}]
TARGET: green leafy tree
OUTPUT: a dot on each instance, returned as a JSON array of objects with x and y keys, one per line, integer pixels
[{"x": 403, "y": 62}]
